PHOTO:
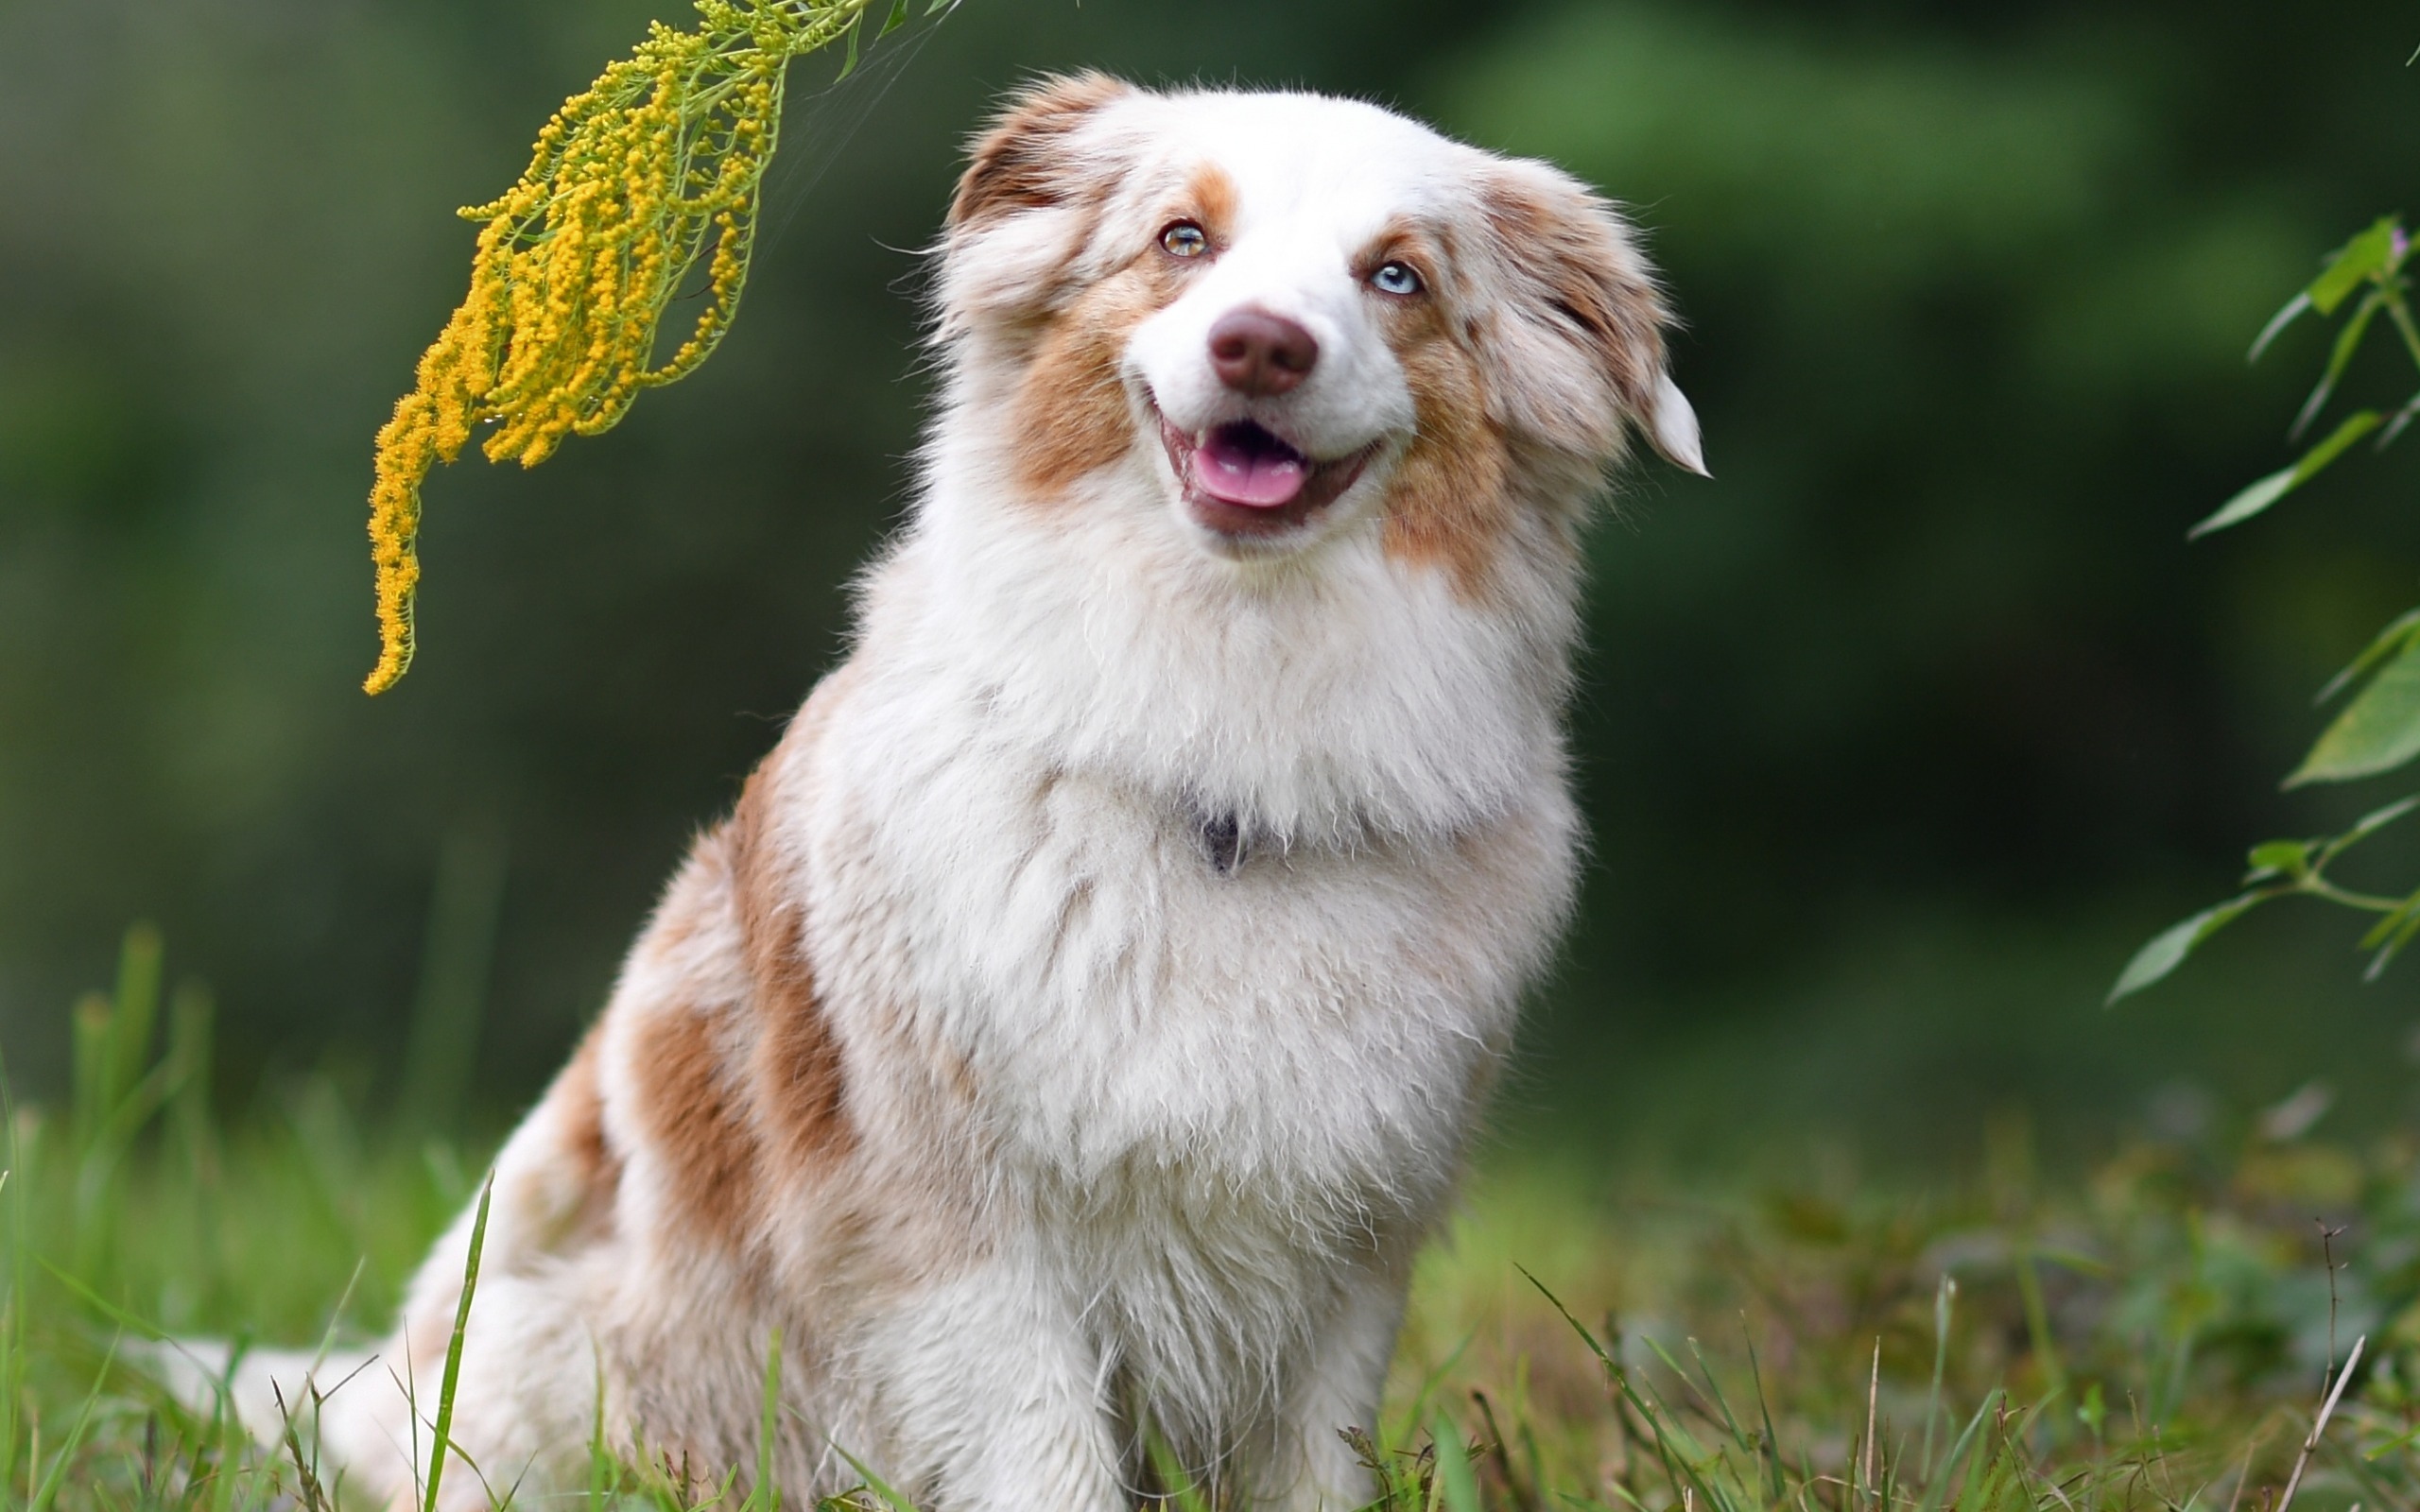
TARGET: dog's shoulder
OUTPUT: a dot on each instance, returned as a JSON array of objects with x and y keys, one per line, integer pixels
[{"x": 721, "y": 1062}]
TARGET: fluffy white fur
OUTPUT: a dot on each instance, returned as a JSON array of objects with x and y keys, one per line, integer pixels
[{"x": 1116, "y": 1132}]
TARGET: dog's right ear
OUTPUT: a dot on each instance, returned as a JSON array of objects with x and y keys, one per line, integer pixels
[
  {"x": 1022, "y": 160},
  {"x": 1025, "y": 208}
]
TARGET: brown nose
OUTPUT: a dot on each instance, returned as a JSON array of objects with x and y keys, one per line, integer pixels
[{"x": 1258, "y": 352}]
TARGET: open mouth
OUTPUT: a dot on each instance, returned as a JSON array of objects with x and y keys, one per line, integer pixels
[{"x": 1243, "y": 479}]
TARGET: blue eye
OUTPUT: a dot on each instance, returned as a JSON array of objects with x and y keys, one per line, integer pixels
[
  {"x": 1397, "y": 278},
  {"x": 1185, "y": 239}
]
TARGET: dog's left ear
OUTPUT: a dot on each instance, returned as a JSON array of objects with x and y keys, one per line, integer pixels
[{"x": 1583, "y": 323}]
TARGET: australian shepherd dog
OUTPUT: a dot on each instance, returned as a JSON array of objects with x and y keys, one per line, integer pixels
[{"x": 1076, "y": 1029}]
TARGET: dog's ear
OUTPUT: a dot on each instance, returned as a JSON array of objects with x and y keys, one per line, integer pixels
[
  {"x": 1021, "y": 161},
  {"x": 1583, "y": 321},
  {"x": 1025, "y": 207}
]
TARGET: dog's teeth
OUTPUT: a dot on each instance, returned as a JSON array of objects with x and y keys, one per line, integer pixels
[{"x": 1200, "y": 439}]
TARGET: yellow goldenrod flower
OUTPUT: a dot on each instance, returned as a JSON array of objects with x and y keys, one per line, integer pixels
[{"x": 636, "y": 180}]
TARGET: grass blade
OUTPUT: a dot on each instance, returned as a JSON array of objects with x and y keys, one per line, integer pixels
[
  {"x": 48, "y": 1491},
  {"x": 1932, "y": 1501},
  {"x": 764, "y": 1496},
  {"x": 1458, "y": 1488},
  {"x": 1771, "y": 1448},
  {"x": 2319, "y": 1425},
  {"x": 1942, "y": 1302},
  {"x": 441, "y": 1441},
  {"x": 876, "y": 1484}
]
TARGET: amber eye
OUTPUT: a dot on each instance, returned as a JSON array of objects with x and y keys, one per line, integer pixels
[
  {"x": 1398, "y": 279},
  {"x": 1185, "y": 239}
]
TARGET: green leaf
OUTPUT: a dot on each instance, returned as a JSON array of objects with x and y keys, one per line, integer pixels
[
  {"x": 2277, "y": 485},
  {"x": 2397, "y": 422},
  {"x": 849, "y": 63},
  {"x": 2367, "y": 825},
  {"x": 2169, "y": 948},
  {"x": 2279, "y": 858},
  {"x": 2391, "y": 934},
  {"x": 2094, "y": 1410},
  {"x": 897, "y": 19},
  {"x": 2250, "y": 502},
  {"x": 2388, "y": 641},
  {"x": 2338, "y": 357},
  {"x": 2277, "y": 322},
  {"x": 2378, "y": 731},
  {"x": 2363, "y": 257},
  {"x": 2388, "y": 922}
]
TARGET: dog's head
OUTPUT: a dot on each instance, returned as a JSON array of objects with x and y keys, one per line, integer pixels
[{"x": 1297, "y": 315}]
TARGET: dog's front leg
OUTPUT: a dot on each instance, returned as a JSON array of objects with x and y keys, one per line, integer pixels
[
  {"x": 991, "y": 1398},
  {"x": 1316, "y": 1469}
]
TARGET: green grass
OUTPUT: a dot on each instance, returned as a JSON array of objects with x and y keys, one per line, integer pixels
[{"x": 2157, "y": 1333}]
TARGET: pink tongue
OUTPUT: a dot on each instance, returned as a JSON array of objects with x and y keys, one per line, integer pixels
[{"x": 1235, "y": 474}]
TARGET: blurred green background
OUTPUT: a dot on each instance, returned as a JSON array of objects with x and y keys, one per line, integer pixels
[{"x": 1895, "y": 739}]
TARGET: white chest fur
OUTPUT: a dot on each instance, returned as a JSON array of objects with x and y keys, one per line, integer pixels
[{"x": 1011, "y": 870}]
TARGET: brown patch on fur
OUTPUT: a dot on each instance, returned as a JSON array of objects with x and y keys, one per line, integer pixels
[
  {"x": 1211, "y": 199},
  {"x": 798, "y": 1067},
  {"x": 957, "y": 1078},
  {"x": 1448, "y": 508},
  {"x": 801, "y": 1092},
  {"x": 1015, "y": 164},
  {"x": 1073, "y": 416},
  {"x": 1586, "y": 281},
  {"x": 581, "y": 1114},
  {"x": 673, "y": 928},
  {"x": 1403, "y": 241},
  {"x": 1449, "y": 505},
  {"x": 691, "y": 1108}
]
